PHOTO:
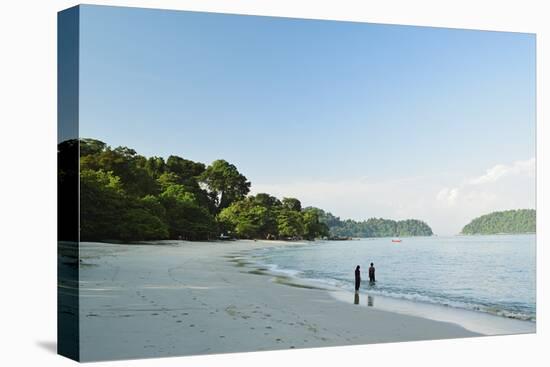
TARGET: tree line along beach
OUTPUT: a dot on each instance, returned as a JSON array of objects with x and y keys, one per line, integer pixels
[{"x": 128, "y": 197}]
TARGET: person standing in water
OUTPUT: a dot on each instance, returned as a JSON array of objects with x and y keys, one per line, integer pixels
[
  {"x": 371, "y": 273},
  {"x": 357, "y": 278}
]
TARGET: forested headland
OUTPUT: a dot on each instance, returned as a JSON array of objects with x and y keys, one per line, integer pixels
[
  {"x": 509, "y": 221},
  {"x": 374, "y": 227},
  {"x": 125, "y": 196}
]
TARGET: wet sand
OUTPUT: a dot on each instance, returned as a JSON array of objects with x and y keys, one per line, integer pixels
[{"x": 182, "y": 298}]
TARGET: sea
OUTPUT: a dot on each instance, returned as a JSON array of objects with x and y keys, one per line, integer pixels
[{"x": 494, "y": 275}]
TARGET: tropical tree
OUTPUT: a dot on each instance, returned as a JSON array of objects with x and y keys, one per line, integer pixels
[
  {"x": 292, "y": 204},
  {"x": 102, "y": 204},
  {"x": 225, "y": 182},
  {"x": 186, "y": 218},
  {"x": 248, "y": 219},
  {"x": 290, "y": 224},
  {"x": 313, "y": 227}
]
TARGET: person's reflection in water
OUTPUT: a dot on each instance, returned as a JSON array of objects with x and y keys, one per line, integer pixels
[
  {"x": 370, "y": 301},
  {"x": 356, "y": 298}
]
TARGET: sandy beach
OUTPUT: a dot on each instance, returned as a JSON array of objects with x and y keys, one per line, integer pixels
[{"x": 183, "y": 298}]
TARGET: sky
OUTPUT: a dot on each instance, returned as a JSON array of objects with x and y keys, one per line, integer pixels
[{"x": 362, "y": 120}]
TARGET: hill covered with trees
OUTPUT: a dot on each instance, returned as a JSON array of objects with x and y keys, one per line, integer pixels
[
  {"x": 373, "y": 227},
  {"x": 125, "y": 196},
  {"x": 128, "y": 197},
  {"x": 509, "y": 221}
]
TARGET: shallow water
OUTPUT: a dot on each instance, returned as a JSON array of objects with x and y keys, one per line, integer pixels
[{"x": 490, "y": 274}]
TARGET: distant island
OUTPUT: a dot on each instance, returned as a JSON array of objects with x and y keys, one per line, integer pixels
[
  {"x": 125, "y": 196},
  {"x": 373, "y": 227},
  {"x": 509, "y": 221}
]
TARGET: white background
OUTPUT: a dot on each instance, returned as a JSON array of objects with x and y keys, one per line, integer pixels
[{"x": 28, "y": 181}]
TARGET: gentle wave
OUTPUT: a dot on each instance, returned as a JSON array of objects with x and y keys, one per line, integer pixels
[{"x": 274, "y": 258}]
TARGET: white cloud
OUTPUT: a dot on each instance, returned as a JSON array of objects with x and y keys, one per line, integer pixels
[
  {"x": 500, "y": 171},
  {"x": 501, "y": 187},
  {"x": 446, "y": 207},
  {"x": 470, "y": 191},
  {"x": 480, "y": 188}
]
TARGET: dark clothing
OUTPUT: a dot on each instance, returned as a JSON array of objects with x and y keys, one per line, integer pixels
[
  {"x": 357, "y": 279},
  {"x": 371, "y": 274}
]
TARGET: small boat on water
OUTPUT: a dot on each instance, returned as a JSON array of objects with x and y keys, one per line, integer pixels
[{"x": 396, "y": 240}]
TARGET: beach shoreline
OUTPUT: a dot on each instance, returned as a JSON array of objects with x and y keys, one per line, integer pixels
[
  {"x": 186, "y": 298},
  {"x": 477, "y": 321}
]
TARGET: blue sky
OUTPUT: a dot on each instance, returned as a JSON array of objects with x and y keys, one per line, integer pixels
[{"x": 309, "y": 108}]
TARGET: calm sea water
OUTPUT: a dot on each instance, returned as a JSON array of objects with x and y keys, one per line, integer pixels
[{"x": 493, "y": 274}]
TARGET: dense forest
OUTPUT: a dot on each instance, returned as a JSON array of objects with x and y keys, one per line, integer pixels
[
  {"x": 373, "y": 227},
  {"x": 509, "y": 221},
  {"x": 128, "y": 197},
  {"x": 125, "y": 196}
]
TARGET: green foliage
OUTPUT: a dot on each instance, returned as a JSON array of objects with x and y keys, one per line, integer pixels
[
  {"x": 123, "y": 162},
  {"x": 264, "y": 216},
  {"x": 266, "y": 200},
  {"x": 153, "y": 205},
  {"x": 225, "y": 182},
  {"x": 155, "y": 167},
  {"x": 292, "y": 204},
  {"x": 108, "y": 213},
  {"x": 290, "y": 223},
  {"x": 313, "y": 227},
  {"x": 128, "y": 197},
  {"x": 247, "y": 219},
  {"x": 167, "y": 179},
  {"x": 101, "y": 205},
  {"x": 509, "y": 221},
  {"x": 91, "y": 147},
  {"x": 140, "y": 224},
  {"x": 373, "y": 227},
  {"x": 186, "y": 218},
  {"x": 184, "y": 168},
  {"x": 125, "y": 196}
]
